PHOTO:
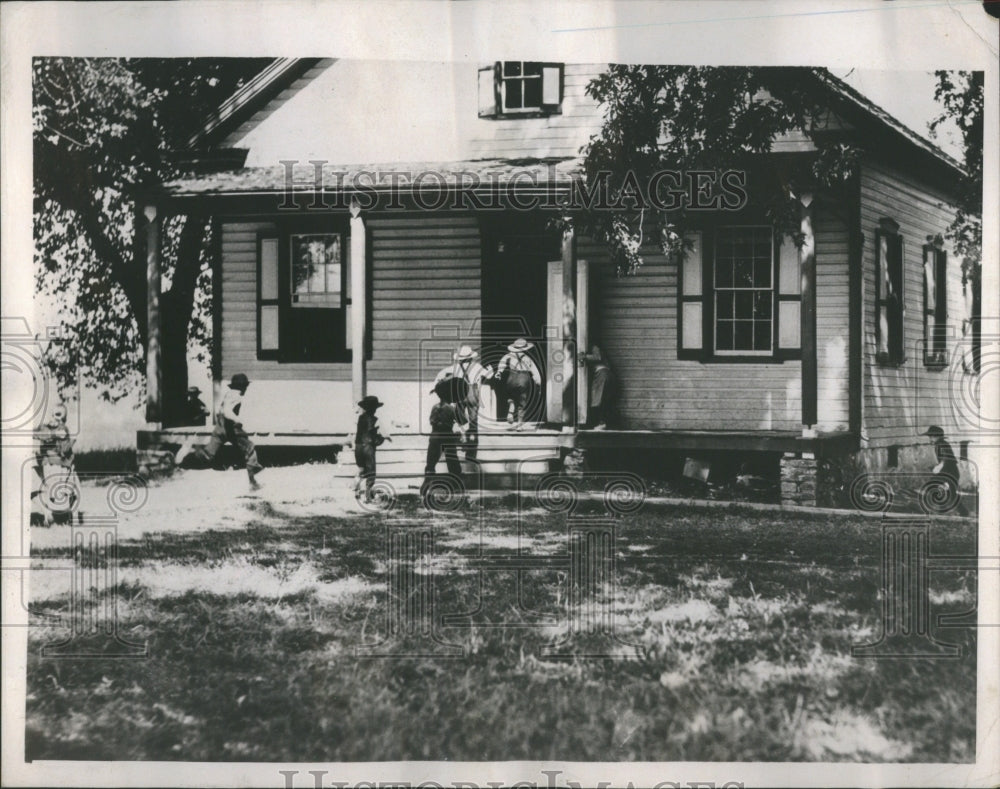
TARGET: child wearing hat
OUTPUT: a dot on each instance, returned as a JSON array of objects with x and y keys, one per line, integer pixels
[
  {"x": 447, "y": 421},
  {"x": 228, "y": 427},
  {"x": 466, "y": 367},
  {"x": 521, "y": 373},
  {"x": 945, "y": 473},
  {"x": 365, "y": 442}
]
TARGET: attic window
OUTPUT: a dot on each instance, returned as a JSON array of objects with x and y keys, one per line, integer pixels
[{"x": 520, "y": 89}]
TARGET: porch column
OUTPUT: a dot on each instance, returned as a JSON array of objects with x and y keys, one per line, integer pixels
[
  {"x": 568, "y": 254},
  {"x": 216, "y": 314},
  {"x": 807, "y": 264},
  {"x": 359, "y": 302},
  {"x": 154, "y": 369}
]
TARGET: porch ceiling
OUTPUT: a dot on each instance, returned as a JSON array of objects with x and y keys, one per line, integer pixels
[{"x": 530, "y": 173}]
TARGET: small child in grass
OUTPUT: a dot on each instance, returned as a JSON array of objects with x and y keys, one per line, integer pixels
[{"x": 368, "y": 438}]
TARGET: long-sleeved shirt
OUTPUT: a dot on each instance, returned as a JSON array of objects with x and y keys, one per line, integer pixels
[
  {"x": 519, "y": 362},
  {"x": 368, "y": 434}
]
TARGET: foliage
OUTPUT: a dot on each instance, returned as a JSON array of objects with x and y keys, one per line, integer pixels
[
  {"x": 102, "y": 132},
  {"x": 960, "y": 94},
  {"x": 688, "y": 119}
]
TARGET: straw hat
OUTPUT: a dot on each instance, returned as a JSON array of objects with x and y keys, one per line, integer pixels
[
  {"x": 465, "y": 353},
  {"x": 520, "y": 345}
]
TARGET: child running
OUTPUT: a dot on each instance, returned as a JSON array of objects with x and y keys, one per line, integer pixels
[{"x": 228, "y": 428}]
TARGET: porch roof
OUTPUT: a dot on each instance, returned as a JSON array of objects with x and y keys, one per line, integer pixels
[{"x": 524, "y": 174}]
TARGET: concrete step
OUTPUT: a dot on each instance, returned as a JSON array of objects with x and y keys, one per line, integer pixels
[{"x": 416, "y": 468}]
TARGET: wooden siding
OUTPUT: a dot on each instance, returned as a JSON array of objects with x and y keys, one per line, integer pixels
[
  {"x": 899, "y": 403},
  {"x": 555, "y": 135},
  {"x": 425, "y": 274},
  {"x": 636, "y": 320}
]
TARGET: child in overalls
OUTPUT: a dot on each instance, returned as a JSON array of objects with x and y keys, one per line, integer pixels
[
  {"x": 447, "y": 421},
  {"x": 365, "y": 442},
  {"x": 54, "y": 463},
  {"x": 521, "y": 374},
  {"x": 228, "y": 428}
]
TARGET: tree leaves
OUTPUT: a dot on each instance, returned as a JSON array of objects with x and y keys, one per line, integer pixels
[{"x": 103, "y": 129}]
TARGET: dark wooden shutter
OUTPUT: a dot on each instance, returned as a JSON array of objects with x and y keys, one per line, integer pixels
[{"x": 691, "y": 295}]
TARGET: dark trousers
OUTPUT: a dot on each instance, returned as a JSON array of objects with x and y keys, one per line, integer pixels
[
  {"x": 439, "y": 443},
  {"x": 950, "y": 484},
  {"x": 519, "y": 387},
  {"x": 471, "y": 413},
  {"x": 227, "y": 431},
  {"x": 364, "y": 456}
]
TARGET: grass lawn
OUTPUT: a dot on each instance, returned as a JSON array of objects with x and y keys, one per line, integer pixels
[{"x": 731, "y": 641}]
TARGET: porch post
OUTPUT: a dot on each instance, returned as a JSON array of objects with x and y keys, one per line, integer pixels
[
  {"x": 359, "y": 302},
  {"x": 568, "y": 254},
  {"x": 216, "y": 314},
  {"x": 807, "y": 263},
  {"x": 154, "y": 369}
]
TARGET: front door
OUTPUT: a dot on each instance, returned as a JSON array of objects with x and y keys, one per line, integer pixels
[{"x": 514, "y": 300}]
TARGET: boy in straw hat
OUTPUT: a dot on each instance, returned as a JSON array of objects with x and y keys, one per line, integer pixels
[
  {"x": 228, "y": 428},
  {"x": 465, "y": 367},
  {"x": 521, "y": 373},
  {"x": 367, "y": 439}
]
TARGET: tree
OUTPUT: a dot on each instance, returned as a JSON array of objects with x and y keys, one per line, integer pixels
[
  {"x": 688, "y": 119},
  {"x": 960, "y": 94},
  {"x": 103, "y": 130}
]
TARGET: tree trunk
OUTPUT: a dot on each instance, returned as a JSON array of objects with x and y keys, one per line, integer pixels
[{"x": 176, "y": 308}]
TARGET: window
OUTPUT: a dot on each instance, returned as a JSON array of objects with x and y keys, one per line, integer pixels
[
  {"x": 739, "y": 298},
  {"x": 303, "y": 294},
  {"x": 518, "y": 88},
  {"x": 317, "y": 273},
  {"x": 889, "y": 294},
  {"x": 935, "y": 305}
]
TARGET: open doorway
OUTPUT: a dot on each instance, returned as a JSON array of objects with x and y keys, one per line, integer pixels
[{"x": 516, "y": 250}]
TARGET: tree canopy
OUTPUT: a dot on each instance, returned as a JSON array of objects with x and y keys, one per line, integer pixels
[{"x": 102, "y": 132}]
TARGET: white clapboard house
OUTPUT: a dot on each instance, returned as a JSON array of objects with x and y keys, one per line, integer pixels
[{"x": 371, "y": 219}]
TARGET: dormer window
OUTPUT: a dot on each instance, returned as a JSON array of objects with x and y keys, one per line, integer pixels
[{"x": 520, "y": 89}]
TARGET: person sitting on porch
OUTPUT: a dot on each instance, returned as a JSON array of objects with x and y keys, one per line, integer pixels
[
  {"x": 446, "y": 427},
  {"x": 465, "y": 367},
  {"x": 195, "y": 412},
  {"x": 522, "y": 378},
  {"x": 228, "y": 428},
  {"x": 602, "y": 388},
  {"x": 367, "y": 439},
  {"x": 945, "y": 472}
]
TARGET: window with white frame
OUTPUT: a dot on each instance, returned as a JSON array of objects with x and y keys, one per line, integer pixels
[
  {"x": 520, "y": 88},
  {"x": 739, "y": 295}
]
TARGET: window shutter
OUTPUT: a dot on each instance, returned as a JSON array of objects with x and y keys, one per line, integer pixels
[
  {"x": 691, "y": 305},
  {"x": 268, "y": 290},
  {"x": 552, "y": 87},
  {"x": 898, "y": 304},
  {"x": 489, "y": 99},
  {"x": 881, "y": 296},
  {"x": 789, "y": 296}
]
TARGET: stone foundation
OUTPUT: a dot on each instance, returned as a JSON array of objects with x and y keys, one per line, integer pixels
[{"x": 798, "y": 478}]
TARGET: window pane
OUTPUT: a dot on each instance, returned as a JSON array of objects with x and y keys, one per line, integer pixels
[
  {"x": 744, "y": 304},
  {"x": 269, "y": 268},
  {"x": 532, "y": 69},
  {"x": 550, "y": 85},
  {"x": 883, "y": 328},
  {"x": 789, "y": 324},
  {"x": 788, "y": 264},
  {"x": 724, "y": 335},
  {"x": 691, "y": 324},
  {"x": 269, "y": 327},
  {"x": 724, "y": 305},
  {"x": 762, "y": 305},
  {"x": 512, "y": 68},
  {"x": 724, "y": 274},
  {"x": 743, "y": 272},
  {"x": 743, "y": 335},
  {"x": 929, "y": 282},
  {"x": 533, "y": 92},
  {"x": 512, "y": 94},
  {"x": 762, "y": 335},
  {"x": 762, "y": 271},
  {"x": 316, "y": 270}
]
